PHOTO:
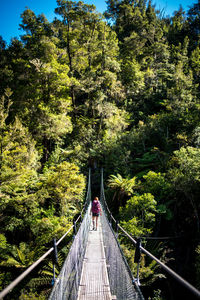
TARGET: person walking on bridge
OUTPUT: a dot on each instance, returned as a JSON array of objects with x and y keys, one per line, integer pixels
[{"x": 95, "y": 211}]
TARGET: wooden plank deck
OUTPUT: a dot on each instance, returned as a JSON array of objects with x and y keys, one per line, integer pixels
[{"x": 94, "y": 284}]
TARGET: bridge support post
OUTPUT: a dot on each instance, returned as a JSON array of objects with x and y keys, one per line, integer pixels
[
  {"x": 116, "y": 228},
  {"x": 137, "y": 258},
  {"x": 110, "y": 220},
  {"x": 55, "y": 260},
  {"x": 74, "y": 227}
]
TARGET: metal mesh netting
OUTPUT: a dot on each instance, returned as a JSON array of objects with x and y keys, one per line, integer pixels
[
  {"x": 122, "y": 283},
  {"x": 120, "y": 279},
  {"x": 67, "y": 283}
]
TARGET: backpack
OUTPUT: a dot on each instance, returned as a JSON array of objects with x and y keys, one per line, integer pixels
[{"x": 95, "y": 207}]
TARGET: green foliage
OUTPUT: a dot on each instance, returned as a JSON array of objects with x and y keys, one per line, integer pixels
[
  {"x": 123, "y": 184},
  {"x": 123, "y": 187},
  {"x": 3, "y": 242},
  {"x": 156, "y": 184},
  {"x": 31, "y": 296},
  {"x": 123, "y": 95},
  {"x": 149, "y": 270},
  {"x": 139, "y": 214},
  {"x": 188, "y": 163},
  {"x": 185, "y": 171},
  {"x": 21, "y": 257},
  {"x": 43, "y": 280},
  {"x": 159, "y": 186},
  {"x": 185, "y": 175},
  {"x": 64, "y": 187},
  {"x": 34, "y": 206},
  {"x": 157, "y": 295}
]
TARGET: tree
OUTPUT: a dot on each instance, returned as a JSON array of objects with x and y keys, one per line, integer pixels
[
  {"x": 19, "y": 163},
  {"x": 177, "y": 29},
  {"x": 123, "y": 187},
  {"x": 139, "y": 214},
  {"x": 76, "y": 31},
  {"x": 64, "y": 187},
  {"x": 35, "y": 27},
  {"x": 95, "y": 89},
  {"x": 41, "y": 98},
  {"x": 194, "y": 27},
  {"x": 185, "y": 176},
  {"x": 195, "y": 64}
]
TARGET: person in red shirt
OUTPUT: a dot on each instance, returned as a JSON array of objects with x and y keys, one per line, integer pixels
[{"x": 95, "y": 211}]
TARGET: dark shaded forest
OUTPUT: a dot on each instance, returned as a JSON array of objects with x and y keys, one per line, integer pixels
[{"x": 118, "y": 91}]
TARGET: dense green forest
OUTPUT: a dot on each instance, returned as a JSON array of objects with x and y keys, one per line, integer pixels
[{"x": 118, "y": 91}]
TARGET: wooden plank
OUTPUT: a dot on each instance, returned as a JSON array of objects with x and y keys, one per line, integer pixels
[{"x": 94, "y": 284}]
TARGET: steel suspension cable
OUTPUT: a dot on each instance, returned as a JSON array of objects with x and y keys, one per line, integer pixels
[
  {"x": 166, "y": 268},
  {"x": 10, "y": 287}
]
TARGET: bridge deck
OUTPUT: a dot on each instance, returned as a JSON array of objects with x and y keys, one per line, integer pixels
[{"x": 94, "y": 284}]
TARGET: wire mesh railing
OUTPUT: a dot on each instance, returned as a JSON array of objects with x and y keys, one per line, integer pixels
[
  {"x": 122, "y": 283},
  {"x": 140, "y": 249},
  {"x": 67, "y": 283},
  {"x": 82, "y": 230}
]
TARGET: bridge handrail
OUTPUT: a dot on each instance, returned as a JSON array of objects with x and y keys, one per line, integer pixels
[
  {"x": 31, "y": 268},
  {"x": 15, "y": 282},
  {"x": 10, "y": 287},
  {"x": 195, "y": 291},
  {"x": 166, "y": 268}
]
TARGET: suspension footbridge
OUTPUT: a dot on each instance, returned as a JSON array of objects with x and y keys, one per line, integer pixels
[{"x": 95, "y": 267}]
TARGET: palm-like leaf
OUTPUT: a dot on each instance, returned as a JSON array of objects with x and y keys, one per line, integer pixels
[
  {"x": 125, "y": 185},
  {"x": 22, "y": 256},
  {"x": 122, "y": 186},
  {"x": 44, "y": 280}
]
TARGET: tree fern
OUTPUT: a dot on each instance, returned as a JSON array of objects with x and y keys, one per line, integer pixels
[{"x": 122, "y": 187}]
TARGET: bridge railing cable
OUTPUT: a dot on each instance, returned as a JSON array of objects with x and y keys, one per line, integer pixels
[
  {"x": 67, "y": 283},
  {"x": 14, "y": 283},
  {"x": 122, "y": 283},
  {"x": 110, "y": 217}
]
